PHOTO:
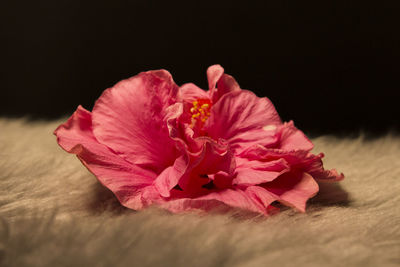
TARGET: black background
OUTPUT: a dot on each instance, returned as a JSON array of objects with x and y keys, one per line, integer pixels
[{"x": 331, "y": 66}]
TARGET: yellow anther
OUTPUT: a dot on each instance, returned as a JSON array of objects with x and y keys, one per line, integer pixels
[{"x": 200, "y": 112}]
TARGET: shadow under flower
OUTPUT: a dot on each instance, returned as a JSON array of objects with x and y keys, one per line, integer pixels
[
  {"x": 330, "y": 194},
  {"x": 102, "y": 200}
]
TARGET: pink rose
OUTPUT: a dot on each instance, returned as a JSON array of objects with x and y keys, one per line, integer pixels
[{"x": 181, "y": 148}]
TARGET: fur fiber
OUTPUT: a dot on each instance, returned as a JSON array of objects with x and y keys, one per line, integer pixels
[{"x": 54, "y": 213}]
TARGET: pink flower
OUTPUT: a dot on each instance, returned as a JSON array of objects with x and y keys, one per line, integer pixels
[{"x": 181, "y": 148}]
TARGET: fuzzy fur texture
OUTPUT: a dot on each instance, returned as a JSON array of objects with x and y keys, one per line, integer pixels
[{"x": 54, "y": 213}]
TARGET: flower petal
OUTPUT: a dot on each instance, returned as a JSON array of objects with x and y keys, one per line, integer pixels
[
  {"x": 258, "y": 172},
  {"x": 222, "y": 180},
  {"x": 224, "y": 82},
  {"x": 316, "y": 170},
  {"x": 204, "y": 155},
  {"x": 239, "y": 118},
  {"x": 189, "y": 92},
  {"x": 297, "y": 159},
  {"x": 130, "y": 119},
  {"x": 261, "y": 194},
  {"x": 292, "y": 138},
  {"x": 170, "y": 177},
  {"x": 123, "y": 178},
  {"x": 214, "y": 73},
  {"x": 225, "y": 85},
  {"x": 246, "y": 139},
  {"x": 293, "y": 189},
  {"x": 211, "y": 159},
  {"x": 233, "y": 198}
]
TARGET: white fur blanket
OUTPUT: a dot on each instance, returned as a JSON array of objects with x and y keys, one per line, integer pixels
[{"x": 54, "y": 213}]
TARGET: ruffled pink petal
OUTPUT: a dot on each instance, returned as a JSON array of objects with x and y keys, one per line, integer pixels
[
  {"x": 229, "y": 197},
  {"x": 297, "y": 159},
  {"x": 214, "y": 73},
  {"x": 170, "y": 177},
  {"x": 215, "y": 157},
  {"x": 189, "y": 92},
  {"x": 239, "y": 118},
  {"x": 258, "y": 172},
  {"x": 293, "y": 189},
  {"x": 123, "y": 178},
  {"x": 181, "y": 133},
  {"x": 293, "y": 157},
  {"x": 130, "y": 119},
  {"x": 261, "y": 194},
  {"x": 327, "y": 175},
  {"x": 225, "y": 85},
  {"x": 222, "y": 180},
  {"x": 220, "y": 83},
  {"x": 204, "y": 155},
  {"x": 211, "y": 159},
  {"x": 316, "y": 170},
  {"x": 292, "y": 138},
  {"x": 261, "y": 137}
]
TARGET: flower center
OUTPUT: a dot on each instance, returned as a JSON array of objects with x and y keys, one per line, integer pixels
[{"x": 200, "y": 112}]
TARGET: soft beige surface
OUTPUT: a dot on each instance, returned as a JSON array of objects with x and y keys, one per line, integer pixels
[{"x": 54, "y": 213}]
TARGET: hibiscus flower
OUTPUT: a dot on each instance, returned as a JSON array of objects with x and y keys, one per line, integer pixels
[{"x": 152, "y": 142}]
